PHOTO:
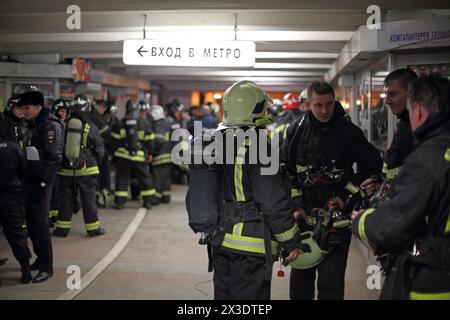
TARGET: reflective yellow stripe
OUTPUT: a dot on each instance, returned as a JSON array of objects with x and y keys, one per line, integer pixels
[
  {"x": 149, "y": 192},
  {"x": 92, "y": 226},
  {"x": 238, "y": 172},
  {"x": 123, "y": 133},
  {"x": 295, "y": 193},
  {"x": 121, "y": 193},
  {"x": 141, "y": 135},
  {"x": 53, "y": 213},
  {"x": 429, "y": 296},
  {"x": 287, "y": 235},
  {"x": 116, "y": 135},
  {"x": 352, "y": 188},
  {"x": 447, "y": 155},
  {"x": 87, "y": 127},
  {"x": 79, "y": 172},
  {"x": 162, "y": 159},
  {"x": 447, "y": 226},
  {"x": 361, "y": 227},
  {"x": 104, "y": 129},
  {"x": 158, "y": 195},
  {"x": 248, "y": 244},
  {"x": 124, "y": 154},
  {"x": 63, "y": 224},
  {"x": 390, "y": 173},
  {"x": 149, "y": 137},
  {"x": 237, "y": 229},
  {"x": 301, "y": 168}
]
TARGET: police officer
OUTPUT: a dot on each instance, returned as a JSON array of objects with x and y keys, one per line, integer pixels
[
  {"x": 161, "y": 166},
  {"x": 44, "y": 145},
  {"x": 403, "y": 143},
  {"x": 413, "y": 224},
  {"x": 132, "y": 140},
  {"x": 320, "y": 150},
  {"x": 12, "y": 124},
  {"x": 12, "y": 212},
  {"x": 79, "y": 174},
  {"x": 60, "y": 108},
  {"x": 257, "y": 211}
]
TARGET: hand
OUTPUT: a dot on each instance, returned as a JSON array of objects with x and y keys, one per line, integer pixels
[
  {"x": 370, "y": 186},
  {"x": 300, "y": 214},
  {"x": 293, "y": 255},
  {"x": 339, "y": 202},
  {"x": 149, "y": 158},
  {"x": 356, "y": 213}
]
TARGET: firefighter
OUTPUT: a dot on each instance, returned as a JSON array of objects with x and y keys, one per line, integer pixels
[
  {"x": 12, "y": 212},
  {"x": 44, "y": 143},
  {"x": 12, "y": 122},
  {"x": 290, "y": 112},
  {"x": 78, "y": 175},
  {"x": 60, "y": 109},
  {"x": 257, "y": 214},
  {"x": 100, "y": 118},
  {"x": 413, "y": 224},
  {"x": 403, "y": 143},
  {"x": 161, "y": 166},
  {"x": 319, "y": 151},
  {"x": 132, "y": 139}
]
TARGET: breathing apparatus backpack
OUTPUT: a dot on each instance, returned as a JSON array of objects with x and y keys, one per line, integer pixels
[
  {"x": 131, "y": 129},
  {"x": 205, "y": 193},
  {"x": 73, "y": 145}
]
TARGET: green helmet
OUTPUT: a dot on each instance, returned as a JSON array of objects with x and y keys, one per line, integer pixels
[
  {"x": 245, "y": 104},
  {"x": 309, "y": 259}
]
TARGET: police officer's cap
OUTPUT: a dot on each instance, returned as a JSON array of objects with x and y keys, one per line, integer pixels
[{"x": 34, "y": 98}]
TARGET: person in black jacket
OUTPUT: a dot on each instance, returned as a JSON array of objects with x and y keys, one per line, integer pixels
[
  {"x": 320, "y": 150},
  {"x": 12, "y": 124},
  {"x": 12, "y": 213},
  {"x": 257, "y": 217},
  {"x": 44, "y": 144},
  {"x": 413, "y": 224},
  {"x": 403, "y": 143}
]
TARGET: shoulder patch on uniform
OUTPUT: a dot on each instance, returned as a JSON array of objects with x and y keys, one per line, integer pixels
[{"x": 51, "y": 136}]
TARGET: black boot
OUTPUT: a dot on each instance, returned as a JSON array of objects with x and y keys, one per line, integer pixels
[
  {"x": 3, "y": 261},
  {"x": 26, "y": 274},
  {"x": 166, "y": 198},
  {"x": 60, "y": 233},
  {"x": 96, "y": 232}
]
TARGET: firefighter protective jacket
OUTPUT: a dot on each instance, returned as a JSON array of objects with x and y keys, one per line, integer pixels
[
  {"x": 249, "y": 194},
  {"x": 311, "y": 144},
  {"x": 402, "y": 145},
  {"x": 417, "y": 207}
]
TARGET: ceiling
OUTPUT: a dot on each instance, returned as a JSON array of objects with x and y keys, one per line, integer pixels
[{"x": 296, "y": 41}]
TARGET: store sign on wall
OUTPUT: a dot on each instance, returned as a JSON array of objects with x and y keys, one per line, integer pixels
[
  {"x": 189, "y": 53},
  {"x": 414, "y": 34}
]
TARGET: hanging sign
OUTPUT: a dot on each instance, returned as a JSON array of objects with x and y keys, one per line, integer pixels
[{"x": 189, "y": 53}]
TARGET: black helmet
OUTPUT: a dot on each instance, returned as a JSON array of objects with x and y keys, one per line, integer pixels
[
  {"x": 59, "y": 104},
  {"x": 12, "y": 102},
  {"x": 81, "y": 103},
  {"x": 110, "y": 107},
  {"x": 144, "y": 106},
  {"x": 130, "y": 106}
]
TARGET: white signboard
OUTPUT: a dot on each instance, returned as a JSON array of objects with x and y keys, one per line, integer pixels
[
  {"x": 414, "y": 34},
  {"x": 189, "y": 53}
]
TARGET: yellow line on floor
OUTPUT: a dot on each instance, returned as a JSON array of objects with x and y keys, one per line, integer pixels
[{"x": 109, "y": 258}]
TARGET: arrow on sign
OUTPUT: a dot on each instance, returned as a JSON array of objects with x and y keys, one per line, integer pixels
[{"x": 140, "y": 51}]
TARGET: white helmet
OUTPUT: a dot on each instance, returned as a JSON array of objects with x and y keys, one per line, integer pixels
[{"x": 157, "y": 112}]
